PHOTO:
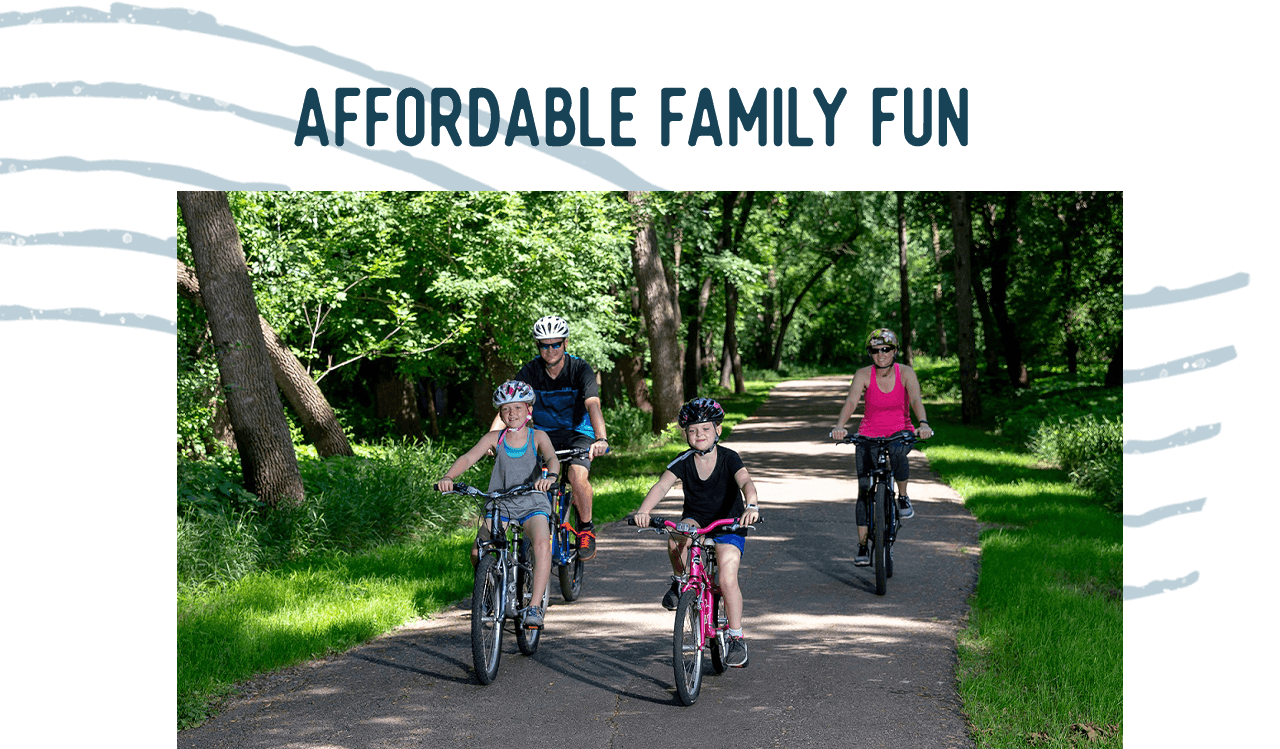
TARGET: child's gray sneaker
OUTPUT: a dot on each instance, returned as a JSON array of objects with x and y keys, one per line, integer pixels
[
  {"x": 904, "y": 507},
  {"x": 736, "y": 655},
  {"x": 533, "y": 617}
]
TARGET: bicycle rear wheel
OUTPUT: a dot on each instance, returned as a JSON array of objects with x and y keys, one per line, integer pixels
[
  {"x": 686, "y": 647},
  {"x": 526, "y": 639},
  {"x": 879, "y": 539},
  {"x": 722, "y": 620},
  {"x": 486, "y": 619},
  {"x": 570, "y": 573}
]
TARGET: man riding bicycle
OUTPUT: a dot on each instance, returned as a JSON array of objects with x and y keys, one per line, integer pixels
[
  {"x": 891, "y": 390},
  {"x": 568, "y": 410}
]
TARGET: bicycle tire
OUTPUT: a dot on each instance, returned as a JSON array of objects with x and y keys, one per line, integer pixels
[
  {"x": 571, "y": 573},
  {"x": 526, "y": 639},
  {"x": 487, "y": 619},
  {"x": 686, "y": 648},
  {"x": 890, "y": 512},
  {"x": 722, "y": 620},
  {"x": 878, "y": 539}
]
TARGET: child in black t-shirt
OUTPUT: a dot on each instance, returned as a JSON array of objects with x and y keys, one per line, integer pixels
[{"x": 715, "y": 482}]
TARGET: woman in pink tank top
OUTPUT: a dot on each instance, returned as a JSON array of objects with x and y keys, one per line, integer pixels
[{"x": 892, "y": 392}]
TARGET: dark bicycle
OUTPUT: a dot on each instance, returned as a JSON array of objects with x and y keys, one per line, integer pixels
[
  {"x": 883, "y": 522},
  {"x": 564, "y": 536}
]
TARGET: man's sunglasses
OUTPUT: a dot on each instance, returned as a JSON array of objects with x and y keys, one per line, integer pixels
[
  {"x": 881, "y": 350},
  {"x": 545, "y": 346}
]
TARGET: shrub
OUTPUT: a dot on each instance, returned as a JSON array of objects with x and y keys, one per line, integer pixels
[{"x": 1089, "y": 449}]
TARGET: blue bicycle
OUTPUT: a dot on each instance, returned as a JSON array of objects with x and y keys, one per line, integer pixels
[{"x": 564, "y": 536}]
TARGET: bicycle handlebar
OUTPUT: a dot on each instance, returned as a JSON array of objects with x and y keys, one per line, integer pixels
[
  {"x": 904, "y": 436},
  {"x": 471, "y": 491},
  {"x": 662, "y": 525}
]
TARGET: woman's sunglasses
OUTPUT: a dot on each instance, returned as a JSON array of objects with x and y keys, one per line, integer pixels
[
  {"x": 881, "y": 350},
  {"x": 545, "y": 346}
]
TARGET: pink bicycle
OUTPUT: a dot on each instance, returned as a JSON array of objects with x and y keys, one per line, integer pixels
[{"x": 700, "y": 616}]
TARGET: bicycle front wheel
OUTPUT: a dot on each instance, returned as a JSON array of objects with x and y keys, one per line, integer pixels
[
  {"x": 486, "y": 619},
  {"x": 890, "y": 511},
  {"x": 687, "y": 647},
  {"x": 879, "y": 539}
]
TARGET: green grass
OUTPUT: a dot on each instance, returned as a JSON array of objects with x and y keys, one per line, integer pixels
[{"x": 1042, "y": 655}]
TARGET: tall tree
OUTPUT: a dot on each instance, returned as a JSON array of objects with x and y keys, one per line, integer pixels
[
  {"x": 961, "y": 230},
  {"x": 732, "y": 361},
  {"x": 659, "y": 317},
  {"x": 267, "y": 459},
  {"x": 1002, "y": 233},
  {"x": 319, "y": 423},
  {"x": 937, "y": 288},
  {"x": 906, "y": 334}
]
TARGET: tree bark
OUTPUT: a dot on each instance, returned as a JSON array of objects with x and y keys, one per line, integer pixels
[
  {"x": 655, "y": 301},
  {"x": 694, "y": 351},
  {"x": 1002, "y": 237},
  {"x": 267, "y": 459},
  {"x": 319, "y": 423},
  {"x": 630, "y": 366},
  {"x": 904, "y": 283},
  {"x": 937, "y": 287},
  {"x": 731, "y": 372},
  {"x": 961, "y": 228}
]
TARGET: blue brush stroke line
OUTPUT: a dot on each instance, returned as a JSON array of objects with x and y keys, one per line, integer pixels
[
  {"x": 1161, "y": 513},
  {"x": 180, "y": 19},
  {"x": 1160, "y": 295},
  {"x": 83, "y": 314},
  {"x": 404, "y": 161},
  {"x": 1184, "y": 365},
  {"x": 168, "y": 172},
  {"x": 114, "y": 239},
  {"x": 1185, "y": 437},
  {"x": 1155, "y": 587}
]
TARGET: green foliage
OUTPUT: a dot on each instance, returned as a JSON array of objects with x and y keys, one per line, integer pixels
[
  {"x": 1089, "y": 449},
  {"x": 385, "y": 493}
]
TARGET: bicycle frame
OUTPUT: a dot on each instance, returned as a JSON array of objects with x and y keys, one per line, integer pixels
[{"x": 701, "y": 581}]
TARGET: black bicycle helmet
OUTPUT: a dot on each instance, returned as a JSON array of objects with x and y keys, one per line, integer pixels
[{"x": 699, "y": 410}]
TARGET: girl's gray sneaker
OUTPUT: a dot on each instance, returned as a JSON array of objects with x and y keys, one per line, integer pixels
[
  {"x": 904, "y": 507},
  {"x": 533, "y": 617}
]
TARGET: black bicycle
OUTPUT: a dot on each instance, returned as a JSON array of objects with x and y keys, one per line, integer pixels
[
  {"x": 503, "y": 586},
  {"x": 883, "y": 523},
  {"x": 564, "y": 534}
]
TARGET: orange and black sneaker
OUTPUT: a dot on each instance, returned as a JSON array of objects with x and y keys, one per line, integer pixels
[{"x": 586, "y": 541}]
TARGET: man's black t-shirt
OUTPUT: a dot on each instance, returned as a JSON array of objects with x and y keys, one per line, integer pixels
[{"x": 561, "y": 404}]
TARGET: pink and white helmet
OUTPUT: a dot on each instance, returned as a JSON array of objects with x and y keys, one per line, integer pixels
[{"x": 513, "y": 391}]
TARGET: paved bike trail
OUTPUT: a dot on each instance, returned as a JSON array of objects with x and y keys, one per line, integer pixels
[{"x": 831, "y": 663}]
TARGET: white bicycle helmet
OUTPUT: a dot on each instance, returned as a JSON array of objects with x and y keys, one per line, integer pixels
[
  {"x": 513, "y": 391},
  {"x": 550, "y": 327}
]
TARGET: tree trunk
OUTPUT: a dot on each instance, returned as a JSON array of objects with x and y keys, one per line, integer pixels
[
  {"x": 961, "y": 228},
  {"x": 904, "y": 297},
  {"x": 731, "y": 369},
  {"x": 319, "y": 423},
  {"x": 1115, "y": 369},
  {"x": 630, "y": 365},
  {"x": 785, "y": 322},
  {"x": 267, "y": 459},
  {"x": 1002, "y": 237},
  {"x": 655, "y": 300},
  {"x": 990, "y": 335},
  {"x": 937, "y": 287},
  {"x": 394, "y": 398},
  {"x": 694, "y": 351}
]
